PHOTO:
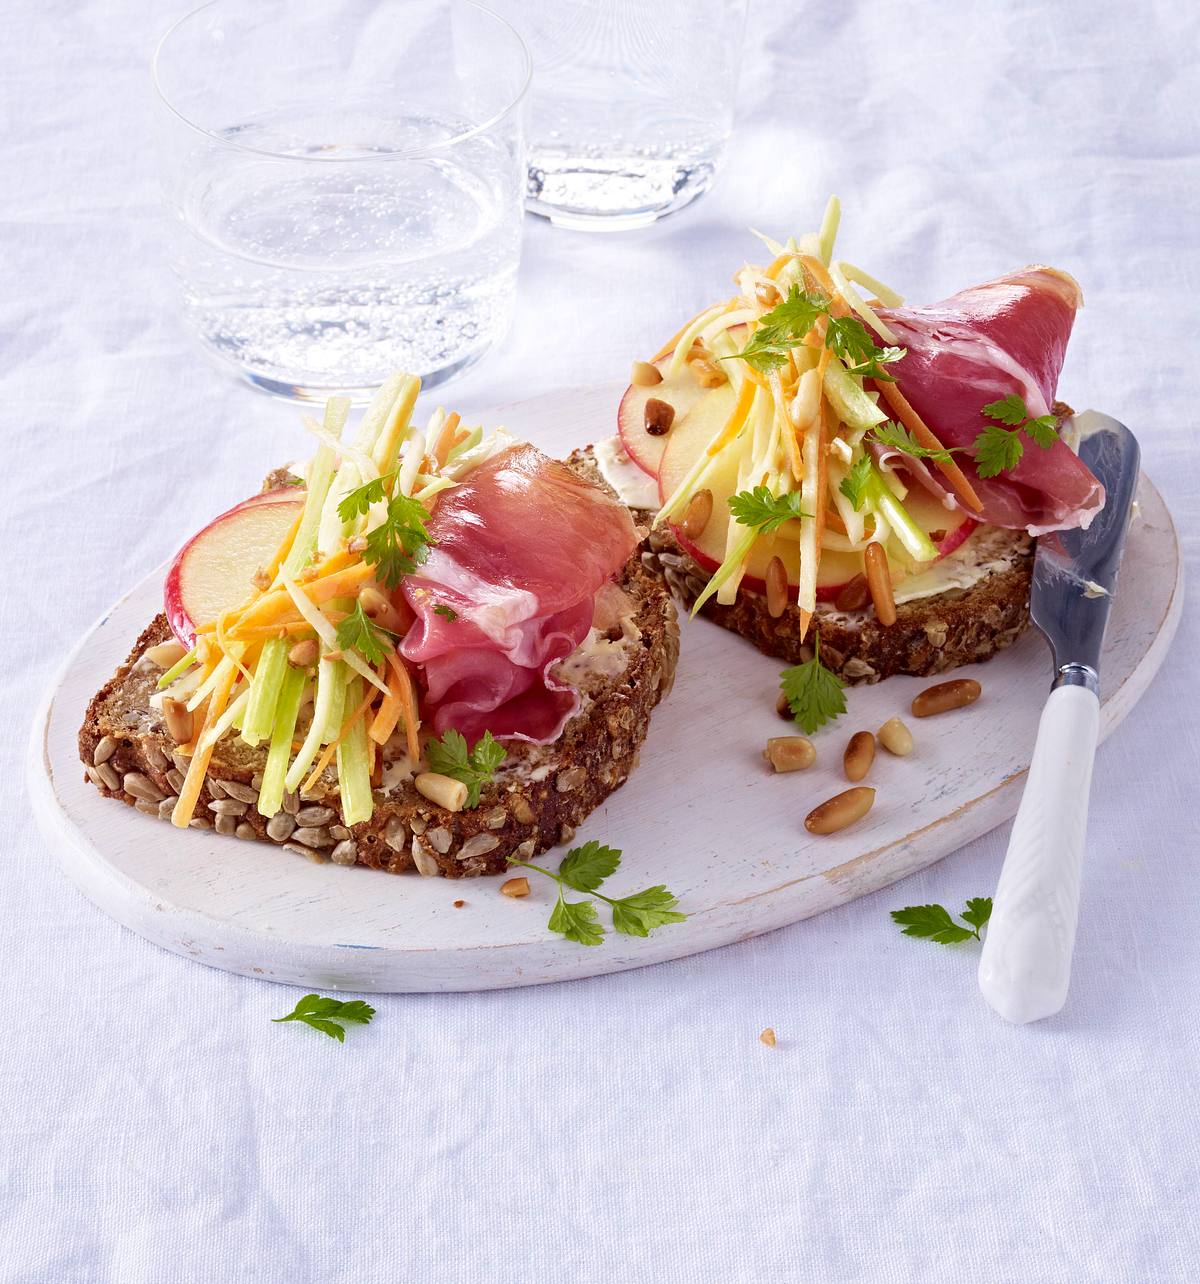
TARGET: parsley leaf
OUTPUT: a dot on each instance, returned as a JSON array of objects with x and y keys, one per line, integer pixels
[
  {"x": 814, "y": 694},
  {"x": 641, "y": 913},
  {"x": 448, "y": 611},
  {"x": 400, "y": 542},
  {"x": 330, "y": 1015},
  {"x": 935, "y": 923},
  {"x": 782, "y": 329},
  {"x": 576, "y": 920},
  {"x": 357, "y": 502},
  {"x": 449, "y": 756},
  {"x": 851, "y": 341},
  {"x": 897, "y": 437},
  {"x": 997, "y": 450},
  {"x": 583, "y": 869},
  {"x": 854, "y": 484},
  {"x": 358, "y": 632},
  {"x": 1043, "y": 430},
  {"x": 759, "y": 508},
  {"x": 1008, "y": 410}
]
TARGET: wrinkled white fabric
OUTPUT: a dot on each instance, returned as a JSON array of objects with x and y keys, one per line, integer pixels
[{"x": 156, "y": 1127}]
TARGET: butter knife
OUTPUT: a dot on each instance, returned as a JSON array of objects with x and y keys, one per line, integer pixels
[{"x": 1025, "y": 968}]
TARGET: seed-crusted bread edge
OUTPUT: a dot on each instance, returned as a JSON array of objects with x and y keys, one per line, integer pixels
[
  {"x": 536, "y": 801},
  {"x": 931, "y": 635}
]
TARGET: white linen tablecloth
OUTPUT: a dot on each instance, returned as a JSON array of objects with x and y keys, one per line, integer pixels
[{"x": 157, "y": 1127}]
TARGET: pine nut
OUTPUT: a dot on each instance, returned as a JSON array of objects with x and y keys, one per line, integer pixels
[
  {"x": 659, "y": 416},
  {"x": 179, "y": 720},
  {"x": 767, "y": 294},
  {"x": 697, "y": 513},
  {"x": 946, "y": 696},
  {"x": 879, "y": 581},
  {"x": 303, "y": 653},
  {"x": 859, "y": 755},
  {"x": 853, "y": 595},
  {"x": 166, "y": 654},
  {"x": 777, "y": 588},
  {"x": 645, "y": 375},
  {"x": 707, "y": 374},
  {"x": 783, "y": 708},
  {"x": 515, "y": 887},
  {"x": 446, "y": 792},
  {"x": 790, "y": 753},
  {"x": 768, "y": 1037},
  {"x": 839, "y": 811},
  {"x": 896, "y": 738}
]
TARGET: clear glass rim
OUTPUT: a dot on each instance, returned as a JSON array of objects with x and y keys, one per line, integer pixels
[{"x": 408, "y": 153}]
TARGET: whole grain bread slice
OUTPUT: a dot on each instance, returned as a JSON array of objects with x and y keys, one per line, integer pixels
[
  {"x": 930, "y": 635},
  {"x": 536, "y": 799}
]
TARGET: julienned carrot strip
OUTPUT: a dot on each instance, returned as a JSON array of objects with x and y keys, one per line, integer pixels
[
  {"x": 406, "y": 694},
  {"x": 193, "y": 782},
  {"x": 822, "y": 447},
  {"x": 331, "y": 748},
  {"x": 386, "y": 717},
  {"x": 737, "y": 418},
  {"x": 445, "y": 438},
  {"x": 284, "y": 548},
  {"x": 786, "y": 427},
  {"x": 331, "y": 565},
  {"x": 920, "y": 430},
  {"x": 779, "y": 264},
  {"x": 278, "y": 603}
]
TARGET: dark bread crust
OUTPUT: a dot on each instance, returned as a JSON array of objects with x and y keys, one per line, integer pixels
[
  {"x": 931, "y": 635},
  {"x": 539, "y": 796}
]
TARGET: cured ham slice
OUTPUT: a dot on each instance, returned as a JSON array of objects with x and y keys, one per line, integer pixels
[
  {"x": 523, "y": 546},
  {"x": 1009, "y": 335}
]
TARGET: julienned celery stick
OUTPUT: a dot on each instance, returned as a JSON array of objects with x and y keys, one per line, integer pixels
[
  {"x": 270, "y": 796},
  {"x": 914, "y": 539},
  {"x": 320, "y": 476},
  {"x": 264, "y": 691},
  {"x": 850, "y": 403},
  {"x": 327, "y": 713},
  {"x": 353, "y": 769},
  {"x": 179, "y": 667}
]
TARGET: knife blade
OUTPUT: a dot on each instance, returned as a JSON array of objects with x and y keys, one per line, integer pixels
[{"x": 1025, "y": 967}]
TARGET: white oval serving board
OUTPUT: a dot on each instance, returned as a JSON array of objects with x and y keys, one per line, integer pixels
[{"x": 701, "y": 814}]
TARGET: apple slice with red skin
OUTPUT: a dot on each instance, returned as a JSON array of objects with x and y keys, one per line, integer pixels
[
  {"x": 687, "y": 441},
  {"x": 212, "y": 572},
  {"x": 683, "y": 393}
]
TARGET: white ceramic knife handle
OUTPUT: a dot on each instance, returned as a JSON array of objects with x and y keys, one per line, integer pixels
[{"x": 1026, "y": 963}]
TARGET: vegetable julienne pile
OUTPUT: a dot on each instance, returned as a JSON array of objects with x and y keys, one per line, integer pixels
[
  {"x": 807, "y": 408},
  {"x": 308, "y": 664}
]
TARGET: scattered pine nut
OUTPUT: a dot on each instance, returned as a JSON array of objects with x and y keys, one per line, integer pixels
[
  {"x": 515, "y": 887},
  {"x": 955, "y": 694},
  {"x": 697, "y": 514},
  {"x": 859, "y": 755},
  {"x": 790, "y": 753},
  {"x": 645, "y": 375},
  {"x": 459, "y": 904},
  {"x": 783, "y": 708},
  {"x": 840, "y": 811},
  {"x": 853, "y": 595},
  {"x": 303, "y": 653},
  {"x": 768, "y": 1037},
  {"x": 777, "y": 588},
  {"x": 896, "y": 738},
  {"x": 658, "y": 417},
  {"x": 443, "y": 790},
  {"x": 879, "y": 581},
  {"x": 179, "y": 719},
  {"x": 165, "y": 654}
]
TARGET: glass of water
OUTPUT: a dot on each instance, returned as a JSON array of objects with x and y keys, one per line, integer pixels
[
  {"x": 632, "y": 104},
  {"x": 345, "y": 185}
]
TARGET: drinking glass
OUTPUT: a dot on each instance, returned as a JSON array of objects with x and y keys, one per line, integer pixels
[
  {"x": 632, "y": 104},
  {"x": 344, "y": 182}
]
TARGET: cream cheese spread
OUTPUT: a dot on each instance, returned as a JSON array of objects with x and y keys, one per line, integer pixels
[{"x": 635, "y": 488}]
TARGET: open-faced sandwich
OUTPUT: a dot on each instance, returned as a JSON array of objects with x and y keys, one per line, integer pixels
[
  {"x": 831, "y": 466},
  {"x": 436, "y": 648}
]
